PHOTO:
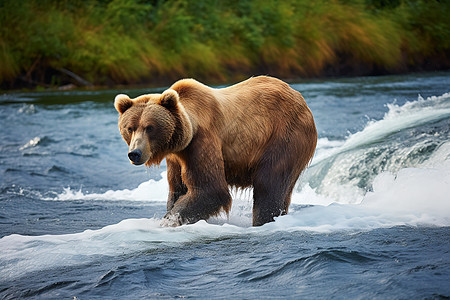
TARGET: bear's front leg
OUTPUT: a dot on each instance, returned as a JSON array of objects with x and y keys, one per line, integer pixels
[
  {"x": 176, "y": 186},
  {"x": 203, "y": 174}
]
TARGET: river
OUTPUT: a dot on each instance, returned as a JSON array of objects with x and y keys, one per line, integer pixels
[{"x": 370, "y": 218}]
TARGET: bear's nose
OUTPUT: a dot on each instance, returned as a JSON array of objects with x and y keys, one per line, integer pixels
[{"x": 135, "y": 155}]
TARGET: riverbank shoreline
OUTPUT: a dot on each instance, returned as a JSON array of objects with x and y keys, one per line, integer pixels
[{"x": 161, "y": 84}]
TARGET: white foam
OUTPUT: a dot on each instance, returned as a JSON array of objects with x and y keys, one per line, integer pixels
[
  {"x": 309, "y": 196},
  {"x": 413, "y": 197},
  {"x": 326, "y": 148},
  {"x": 440, "y": 157},
  {"x": 148, "y": 191},
  {"x": 414, "y": 190},
  {"x": 28, "y": 109},
  {"x": 21, "y": 255},
  {"x": 400, "y": 117},
  {"x": 31, "y": 143},
  {"x": 397, "y": 118},
  {"x": 422, "y": 191}
]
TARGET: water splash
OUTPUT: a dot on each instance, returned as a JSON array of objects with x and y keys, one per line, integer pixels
[
  {"x": 31, "y": 143},
  {"x": 148, "y": 191},
  {"x": 405, "y": 137},
  {"x": 398, "y": 118}
]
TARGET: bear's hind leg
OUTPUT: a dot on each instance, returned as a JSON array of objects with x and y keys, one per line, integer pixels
[
  {"x": 273, "y": 183},
  {"x": 270, "y": 199}
]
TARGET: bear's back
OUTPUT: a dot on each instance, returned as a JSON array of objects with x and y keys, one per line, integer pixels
[
  {"x": 259, "y": 106},
  {"x": 255, "y": 120},
  {"x": 261, "y": 95},
  {"x": 246, "y": 115}
]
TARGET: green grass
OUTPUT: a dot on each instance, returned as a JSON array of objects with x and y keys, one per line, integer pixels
[{"x": 131, "y": 41}]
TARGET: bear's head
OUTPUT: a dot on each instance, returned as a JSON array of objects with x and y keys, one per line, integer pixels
[{"x": 153, "y": 126}]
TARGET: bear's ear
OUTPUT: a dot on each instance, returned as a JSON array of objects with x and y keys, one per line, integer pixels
[
  {"x": 122, "y": 103},
  {"x": 169, "y": 99}
]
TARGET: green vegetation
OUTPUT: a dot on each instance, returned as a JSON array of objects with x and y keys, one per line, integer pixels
[{"x": 55, "y": 42}]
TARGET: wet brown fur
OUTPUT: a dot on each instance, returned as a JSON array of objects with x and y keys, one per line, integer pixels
[{"x": 258, "y": 133}]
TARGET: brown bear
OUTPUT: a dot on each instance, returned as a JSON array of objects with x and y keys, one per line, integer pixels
[{"x": 258, "y": 133}]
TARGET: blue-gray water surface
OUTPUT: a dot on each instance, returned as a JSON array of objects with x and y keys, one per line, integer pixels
[{"x": 369, "y": 219}]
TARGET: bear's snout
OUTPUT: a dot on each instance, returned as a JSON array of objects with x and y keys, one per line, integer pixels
[{"x": 135, "y": 156}]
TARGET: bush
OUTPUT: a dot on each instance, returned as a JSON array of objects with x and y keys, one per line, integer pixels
[{"x": 133, "y": 41}]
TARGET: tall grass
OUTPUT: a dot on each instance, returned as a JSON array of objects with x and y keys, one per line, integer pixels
[{"x": 132, "y": 41}]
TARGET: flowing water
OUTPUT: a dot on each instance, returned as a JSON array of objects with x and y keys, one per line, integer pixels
[{"x": 370, "y": 218}]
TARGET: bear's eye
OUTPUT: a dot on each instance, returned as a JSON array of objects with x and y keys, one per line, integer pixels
[
  {"x": 130, "y": 130},
  {"x": 149, "y": 129}
]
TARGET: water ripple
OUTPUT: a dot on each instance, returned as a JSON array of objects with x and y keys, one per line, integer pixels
[{"x": 316, "y": 262}]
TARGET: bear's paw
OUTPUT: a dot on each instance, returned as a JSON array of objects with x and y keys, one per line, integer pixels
[{"x": 171, "y": 220}]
